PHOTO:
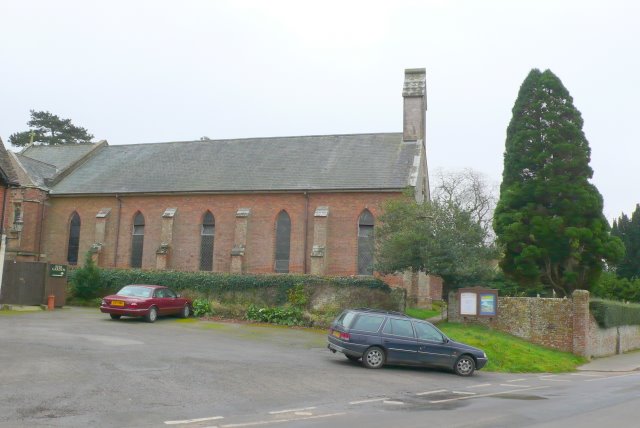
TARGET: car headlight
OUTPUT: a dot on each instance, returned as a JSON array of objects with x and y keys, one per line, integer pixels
[
  {"x": 485, "y": 354},
  {"x": 103, "y": 303}
]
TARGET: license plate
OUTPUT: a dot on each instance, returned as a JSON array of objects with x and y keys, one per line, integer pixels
[
  {"x": 336, "y": 333},
  {"x": 117, "y": 303}
]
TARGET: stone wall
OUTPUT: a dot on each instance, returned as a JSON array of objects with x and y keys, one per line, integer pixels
[{"x": 563, "y": 324}]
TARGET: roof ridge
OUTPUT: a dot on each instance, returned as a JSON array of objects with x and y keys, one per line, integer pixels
[{"x": 256, "y": 138}]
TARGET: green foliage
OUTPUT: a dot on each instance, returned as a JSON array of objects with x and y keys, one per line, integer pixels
[
  {"x": 201, "y": 307},
  {"x": 278, "y": 315},
  {"x": 48, "y": 129},
  {"x": 628, "y": 230},
  {"x": 612, "y": 287},
  {"x": 436, "y": 237},
  {"x": 614, "y": 314},
  {"x": 298, "y": 296},
  {"x": 208, "y": 284},
  {"x": 549, "y": 217},
  {"x": 422, "y": 314},
  {"x": 509, "y": 287},
  {"x": 86, "y": 282},
  {"x": 511, "y": 354}
]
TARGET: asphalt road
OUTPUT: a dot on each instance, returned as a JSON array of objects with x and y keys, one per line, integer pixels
[{"x": 78, "y": 368}]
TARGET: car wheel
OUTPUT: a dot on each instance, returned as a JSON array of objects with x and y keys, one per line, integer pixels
[
  {"x": 373, "y": 358},
  {"x": 184, "y": 313},
  {"x": 115, "y": 317},
  {"x": 352, "y": 358},
  {"x": 465, "y": 365},
  {"x": 152, "y": 315}
]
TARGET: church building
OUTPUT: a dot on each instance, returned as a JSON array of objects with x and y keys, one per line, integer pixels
[{"x": 303, "y": 204}]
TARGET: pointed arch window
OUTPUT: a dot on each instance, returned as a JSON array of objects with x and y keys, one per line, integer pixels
[
  {"x": 137, "y": 240},
  {"x": 207, "y": 234},
  {"x": 365, "y": 243},
  {"x": 74, "y": 239},
  {"x": 283, "y": 242}
]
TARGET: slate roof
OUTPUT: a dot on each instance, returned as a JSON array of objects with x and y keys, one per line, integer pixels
[
  {"x": 331, "y": 162},
  {"x": 7, "y": 173},
  {"x": 39, "y": 172},
  {"x": 61, "y": 156}
]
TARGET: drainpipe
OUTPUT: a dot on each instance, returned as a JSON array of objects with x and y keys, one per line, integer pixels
[
  {"x": 3, "y": 237},
  {"x": 41, "y": 225},
  {"x": 115, "y": 252},
  {"x": 306, "y": 229}
]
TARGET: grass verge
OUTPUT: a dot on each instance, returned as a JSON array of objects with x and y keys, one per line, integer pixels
[{"x": 511, "y": 354}]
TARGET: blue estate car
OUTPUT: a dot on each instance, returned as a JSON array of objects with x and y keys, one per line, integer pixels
[{"x": 380, "y": 337}]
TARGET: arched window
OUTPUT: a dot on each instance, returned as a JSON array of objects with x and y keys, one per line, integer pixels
[
  {"x": 74, "y": 239},
  {"x": 207, "y": 233},
  {"x": 365, "y": 243},
  {"x": 283, "y": 242},
  {"x": 137, "y": 240}
]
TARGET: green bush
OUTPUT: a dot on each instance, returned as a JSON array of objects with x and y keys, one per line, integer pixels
[
  {"x": 219, "y": 284},
  {"x": 283, "y": 315},
  {"x": 614, "y": 314},
  {"x": 201, "y": 307},
  {"x": 86, "y": 282},
  {"x": 298, "y": 296}
]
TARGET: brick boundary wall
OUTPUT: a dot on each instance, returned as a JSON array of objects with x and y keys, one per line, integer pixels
[{"x": 563, "y": 324}]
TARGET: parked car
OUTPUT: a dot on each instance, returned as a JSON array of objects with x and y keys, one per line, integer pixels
[
  {"x": 148, "y": 301},
  {"x": 384, "y": 337}
]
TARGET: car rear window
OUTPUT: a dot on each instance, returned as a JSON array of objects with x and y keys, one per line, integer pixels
[
  {"x": 346, "y": 318},
  {"x": 368, "y": 323}
]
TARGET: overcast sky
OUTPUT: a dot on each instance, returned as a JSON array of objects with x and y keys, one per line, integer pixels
[{"x": 135, "y": 72}]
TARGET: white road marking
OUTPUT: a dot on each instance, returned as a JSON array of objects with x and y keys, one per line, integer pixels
[
  {"x": 373, "y": 400},
  {"x": 482, "y": 385},
  {"x": 277, "y": 412},
  {"x": 516, "y": 380},
  {"x": 585, "y": 374},
  {"x": 463, "y": 392},
  {"x": 612, "y": 377},
  {"x": 517, "y": 386},
  {"x": 393, "y": 402},
  {"x": 191, "y": 421},
  {"x": 278, "y": 421},
  {"x": 303, "y": 413},
  {"x": 431, "y": 392},
  {"x": 485, "y": 395}
]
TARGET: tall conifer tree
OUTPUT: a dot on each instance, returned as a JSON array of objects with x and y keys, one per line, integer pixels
[
  {"x": 628, "y": 230},
  {"x": 549, "y": 217}
]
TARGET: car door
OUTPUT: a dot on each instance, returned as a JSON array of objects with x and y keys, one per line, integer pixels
[
  {"x": 399, "y": 340},
  {"x": 160, "y": 300},
  {"x": 433, "y": 347},
  {"x": 173, "y": 302}
]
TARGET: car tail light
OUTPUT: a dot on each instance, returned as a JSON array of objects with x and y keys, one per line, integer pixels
[{"x": 345, "y": 336}]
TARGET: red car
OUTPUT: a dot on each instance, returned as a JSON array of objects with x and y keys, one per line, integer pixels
[{"x": 148, "y": 301}]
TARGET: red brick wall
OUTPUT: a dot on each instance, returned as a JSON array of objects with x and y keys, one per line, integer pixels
[
  {"x": 344, "y": 211},
  {"x": 25, "y": 245}
]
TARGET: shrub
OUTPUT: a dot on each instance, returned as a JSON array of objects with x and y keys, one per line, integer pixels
[
  {"x": 223, "y": 284},
  {"x": 298, "y": 296},
  {"x": 86, "y": 283},
  {"x": 283, "y": 316},
  {"x": 201, "y": 307},
  {"x": 614, "y": 314}
]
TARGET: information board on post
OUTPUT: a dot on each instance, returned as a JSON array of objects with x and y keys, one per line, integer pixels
[{"x": 478, "y": 302}]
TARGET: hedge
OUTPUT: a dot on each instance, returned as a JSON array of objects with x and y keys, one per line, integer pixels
[
  {"x": 614, "y": 314},
  {"x": 209, "y": 284}
]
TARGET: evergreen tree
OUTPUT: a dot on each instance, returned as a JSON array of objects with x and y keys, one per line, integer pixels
[
  {"x": 549, "y": 217},
  {"x": 628, "y": 230},
  {"x": 48, "y": 129}
]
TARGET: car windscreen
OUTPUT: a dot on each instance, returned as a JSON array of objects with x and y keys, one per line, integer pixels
[
  {"x": 368, "y": 323},
  {"x": 134, "y": 291}
]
